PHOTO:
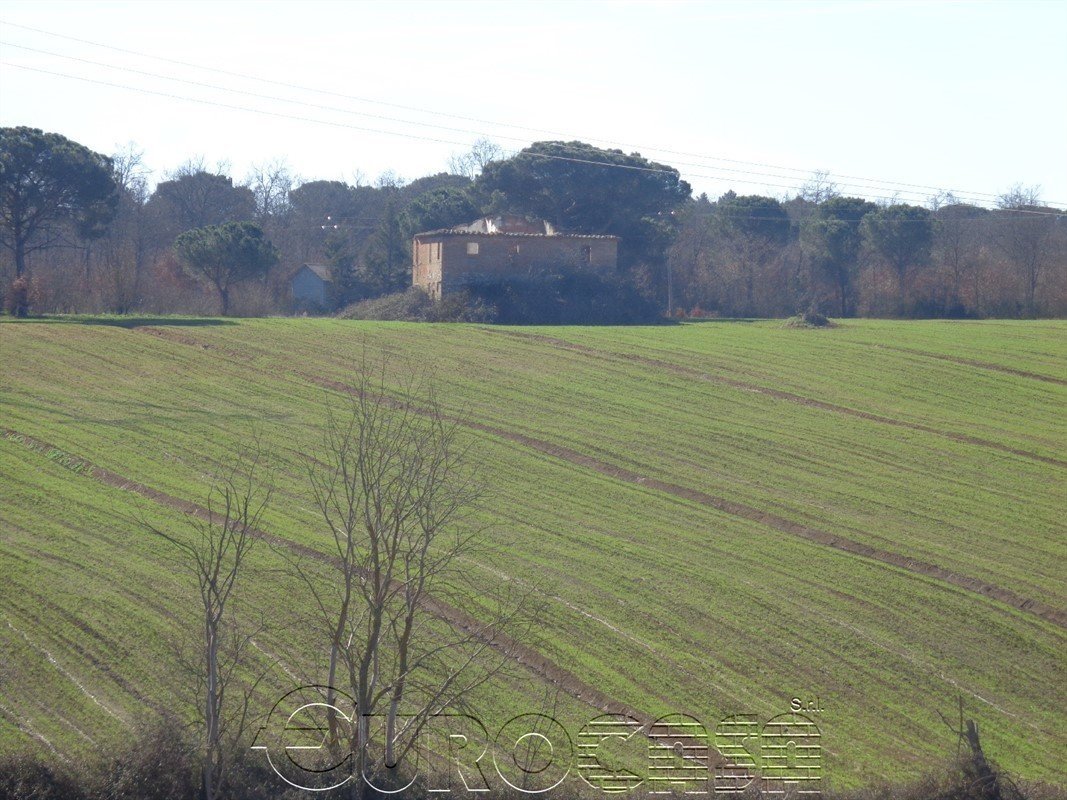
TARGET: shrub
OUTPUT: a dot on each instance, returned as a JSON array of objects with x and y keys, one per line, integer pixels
[
  {"x": 460, "y": 307},
  {"x": 810, "y": 319},
  {"x": 415, "y": 305},
  {"x": 563, "y": 297},
  {"x": 17, "y": 302},
  {"x": 552, "y": 297},
  {"x": 159, "y": 765},
  {"x": 409, "y": 305},
  {"x": 23, "y": 777}
]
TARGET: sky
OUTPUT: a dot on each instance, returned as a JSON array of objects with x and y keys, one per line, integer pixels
[{"x": 896, "y": 100}]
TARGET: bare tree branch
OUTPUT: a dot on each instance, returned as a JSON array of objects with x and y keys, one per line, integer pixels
[
  {"x": 395, "y": 485},
  {"x": 214, "y": 551}
]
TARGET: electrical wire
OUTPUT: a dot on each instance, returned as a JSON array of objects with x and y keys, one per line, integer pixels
[
  {"x": 365, "y": 129},
  {"x": 321, "y": 107},
  {"x": 866, "y": 183}
]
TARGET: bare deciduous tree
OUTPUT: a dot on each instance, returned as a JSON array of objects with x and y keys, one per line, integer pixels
[
  {"x": 395, "y": 488},
  {"x": 957, "y": 242},
  {"x": 1024, "y": 233},
  {"x": 123, "y": 251},
  {"x": 471, "y": 163},
  {"x": 819, "y": 188},
  {"x": 214, "y": 552},
  {"x": 270, "y": 183}
]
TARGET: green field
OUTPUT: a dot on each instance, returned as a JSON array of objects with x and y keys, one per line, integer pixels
[{"x": 720, "y": 516}]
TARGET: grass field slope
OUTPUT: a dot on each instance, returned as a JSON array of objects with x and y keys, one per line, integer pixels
[{"x": 719, "y": 516}]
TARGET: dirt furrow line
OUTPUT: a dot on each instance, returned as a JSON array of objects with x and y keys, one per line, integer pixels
[
  {"x": 970, "y": 362},
  {"x": 778, "y": 394},
  {"x": 531, "y": 659},
  {"x": 1036, "y": 607},
  {"x": 24, "y": 725},
  {"x": 171, "y": 335},
  {"x": 66, "y": 674},
  {"x": 528, "y": 657}
]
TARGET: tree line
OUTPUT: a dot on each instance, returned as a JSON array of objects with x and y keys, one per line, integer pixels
[
  {"x": 82, "y": 232},
  {"x": 847, "y": 256}
]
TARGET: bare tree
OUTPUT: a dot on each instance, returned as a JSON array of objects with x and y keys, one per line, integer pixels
[
  {"x": 958, "y": 242},
  {"x": 753, "y": 231},
  {"x": 123, "y": 252},
  {"x": 901, "y": 235},
  {"x": 270, "y": 183},
  {"x": 819, "y": 188},
  {"x": 214, "y": 551},
  {"x": 471, "y": 163},
  {"x": 1024, "y": 234},
  {"x": 395, "y": 488},
  {"x": 980, "y": 777},
  {"x": 194, "y": 197},
  {"x": 389, "y": 179}
]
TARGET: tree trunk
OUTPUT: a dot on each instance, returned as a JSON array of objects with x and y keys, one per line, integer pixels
[
  {"x": 957, "y": 280},
  {"x": 390, "y": 733},
  {"x": 87, "y": 267},
  {"x": 210, "y": 707},
  {"x": 331, "y": 692},
  {"x": 20, "y": 256},
  {"x": 984, "y": 775},
  {"x": 224, "y": 298},
  {"x": 1031, "y": 289}
]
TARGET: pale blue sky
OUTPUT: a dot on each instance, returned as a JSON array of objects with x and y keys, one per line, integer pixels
[{"x": 904, "y": 97}]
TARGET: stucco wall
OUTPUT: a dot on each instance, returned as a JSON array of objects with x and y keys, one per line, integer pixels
[{"x": 308, "y": 288}]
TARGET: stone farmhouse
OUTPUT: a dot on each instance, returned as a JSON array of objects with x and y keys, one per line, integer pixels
[{"x": 445, "y": 260}]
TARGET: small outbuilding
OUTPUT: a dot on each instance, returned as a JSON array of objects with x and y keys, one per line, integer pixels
[{"x": 311, "y": 286}]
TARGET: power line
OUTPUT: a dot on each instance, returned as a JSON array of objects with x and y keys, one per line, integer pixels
[
  {"x": 321, "y": 107},
  {"x": 866, "y": 183},
  {"x": 246, "y": 76},
  {"x": 246, "y": 93},
  {"x": 365, "y": 129},
  {"x": 231, "y": 106}
]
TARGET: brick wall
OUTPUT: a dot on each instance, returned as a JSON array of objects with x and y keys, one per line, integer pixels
[
  {"x": 444, "y": 262},
  {"x": 426, "y": 264}
]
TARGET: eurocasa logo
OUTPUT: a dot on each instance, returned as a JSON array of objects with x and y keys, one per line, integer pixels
[{"x": 534, "y": 753}]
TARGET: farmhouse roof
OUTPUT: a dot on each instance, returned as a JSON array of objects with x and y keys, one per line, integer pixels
[
  {"x": 322, "y": 271},
  {"x": 509, "y": 226},
  {"x": 461, "y": 232}
]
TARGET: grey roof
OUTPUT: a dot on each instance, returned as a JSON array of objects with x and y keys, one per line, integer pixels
[{"x": 324, "y": 272}]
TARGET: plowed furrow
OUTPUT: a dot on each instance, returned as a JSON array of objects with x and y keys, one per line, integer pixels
[
  {"x": 525, "y": 655},
  {"x": 743, "y": 511},
  {"x": 971, "y": 362},
  {"x": 778, "y": 394}
]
